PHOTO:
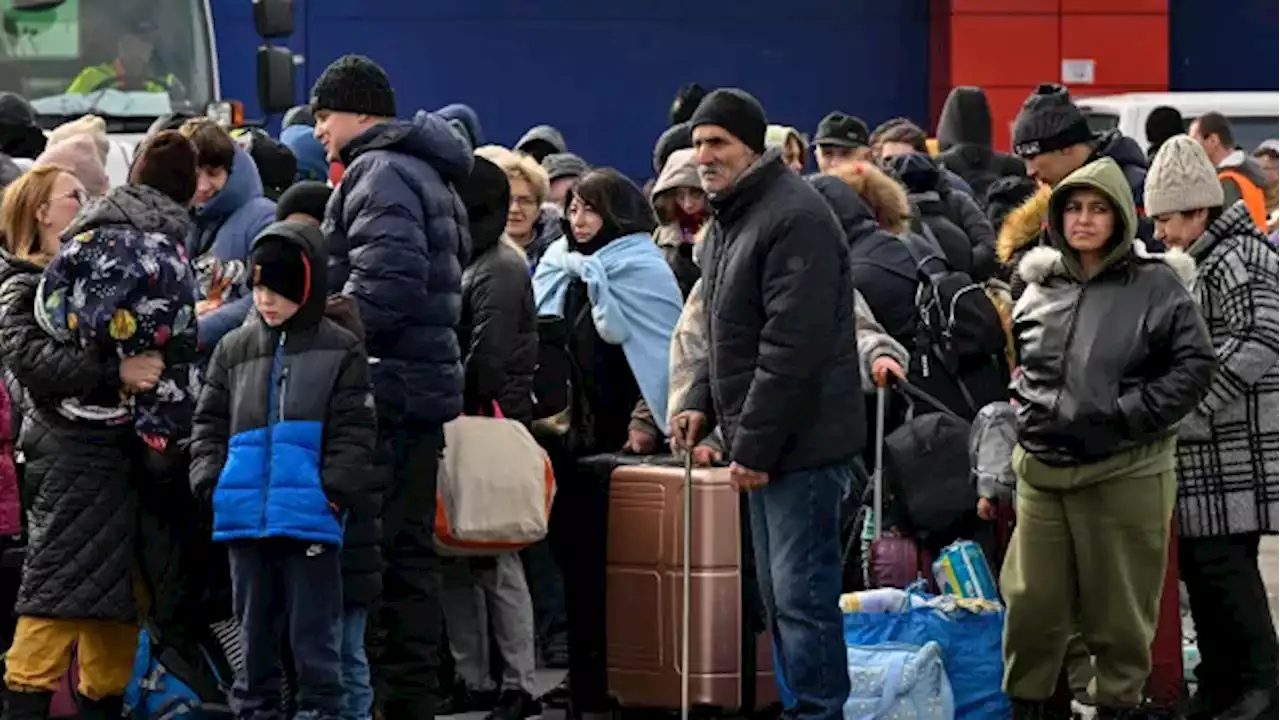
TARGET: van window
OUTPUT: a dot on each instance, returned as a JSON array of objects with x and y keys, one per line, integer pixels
[
  {"x": 1101, "y": 121},
  {"x": 1250, "y": 131}
]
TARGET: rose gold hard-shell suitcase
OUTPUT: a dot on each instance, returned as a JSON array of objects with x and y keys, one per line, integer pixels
[{"x": 650, "y": 536}]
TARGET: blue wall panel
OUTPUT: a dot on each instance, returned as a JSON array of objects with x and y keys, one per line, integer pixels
[
  {"x": 1231, "y": 45},
  {"x": 605, "y": 72}
]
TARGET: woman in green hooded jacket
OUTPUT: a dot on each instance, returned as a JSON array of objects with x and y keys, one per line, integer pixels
[{"x": 1112, "y": 354}]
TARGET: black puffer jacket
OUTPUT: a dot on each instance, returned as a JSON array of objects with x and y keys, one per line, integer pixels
[
  {"x": 1108, "y": 363},
  {"x": 498, "y": 332},
  {"x": 883, "y": 271},
  {"x": 782, "y": 374},
  {"x": 964, "y": 137},
  {"x": 79, "y": 478}
]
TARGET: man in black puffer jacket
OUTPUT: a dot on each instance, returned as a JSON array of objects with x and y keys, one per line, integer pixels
[
  {"x": 782, "y": 380},
  {"x": 398, "y": 239}
]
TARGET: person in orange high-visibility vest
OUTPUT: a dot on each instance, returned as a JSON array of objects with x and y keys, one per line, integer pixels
[{"x": 1241, "y": 176}]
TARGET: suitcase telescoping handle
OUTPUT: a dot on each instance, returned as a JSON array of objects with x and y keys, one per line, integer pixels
[
  {"x": 877, "y": 478},
  {"x": 686, "y": 590}
]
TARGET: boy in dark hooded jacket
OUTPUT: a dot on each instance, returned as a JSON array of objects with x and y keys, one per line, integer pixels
[{"x": 289, "y": 397}]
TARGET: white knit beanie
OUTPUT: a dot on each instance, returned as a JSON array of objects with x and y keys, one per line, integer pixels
[{"x": 1181, "y": 178}]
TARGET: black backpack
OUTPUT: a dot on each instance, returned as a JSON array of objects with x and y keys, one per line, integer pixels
[
  {"x": 927, "y": 472},
  {"x": 958, "y": 330}
]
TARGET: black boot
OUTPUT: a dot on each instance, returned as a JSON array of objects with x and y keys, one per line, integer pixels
[
  {"x": 1253, "y": 704},
  {"x": 26, "y": 705},
  {"x": 108, "y": 708}
]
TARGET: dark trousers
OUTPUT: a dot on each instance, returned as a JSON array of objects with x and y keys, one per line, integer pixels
[
  {"x": 546, "y": 589},
  {"x": 284, "y": 586},
  {"x": 405, "y": 657},
  {"x": 577, "y": 534},
  {"x": 1234, "y": 629}
]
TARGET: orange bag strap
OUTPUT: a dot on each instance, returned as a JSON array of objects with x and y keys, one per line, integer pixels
[{"x": 1254, "y": 198}]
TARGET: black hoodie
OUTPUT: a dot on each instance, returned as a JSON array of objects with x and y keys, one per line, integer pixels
[
  {"x": 498, "y": 331},
  {"x": 314, "y": 370},
  {"x": 964, "y": 137}
]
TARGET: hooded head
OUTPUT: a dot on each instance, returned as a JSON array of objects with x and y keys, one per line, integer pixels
[
  {"x": 603, "y": 207},
  {"x": 487, "y": 195},
  {"x": 965, "y": 119},
  {"x": 681, "y": 171},
  {"x": 1102, "y": 179},
  {"x": 20, "y": 137},
  {"x": 289, "y": 258},
  {"x": 790, "y": 141},
  {"x": 917, "y": 171},
  {"x": 542, "y": 141},
  {"x": 467, "y": 118},
  {"x": 307, "y": 152}
]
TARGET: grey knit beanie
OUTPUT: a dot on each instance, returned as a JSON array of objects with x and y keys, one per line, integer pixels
[{"x": 1181, "y": 178}]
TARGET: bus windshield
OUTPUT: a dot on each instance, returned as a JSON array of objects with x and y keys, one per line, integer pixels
[{"x": 129, "y": 61}]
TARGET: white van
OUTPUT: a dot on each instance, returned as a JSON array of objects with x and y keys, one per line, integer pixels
[{"x": 1253, "y": 115}]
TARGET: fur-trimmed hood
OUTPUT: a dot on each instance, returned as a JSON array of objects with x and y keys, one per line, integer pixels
[
  {"x": 886, "y": 198},
  {"x": 1040, "y": 264},
  {"x": 1023, "y": 225}
]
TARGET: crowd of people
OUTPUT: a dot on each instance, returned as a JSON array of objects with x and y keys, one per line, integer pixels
[{"x": 226, "y": 383}]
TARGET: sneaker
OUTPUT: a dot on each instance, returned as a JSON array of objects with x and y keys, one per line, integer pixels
[{"x": 515, "y": 705}]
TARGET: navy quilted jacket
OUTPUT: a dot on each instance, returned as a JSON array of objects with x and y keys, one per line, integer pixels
[{"x": 398, "y": 239}]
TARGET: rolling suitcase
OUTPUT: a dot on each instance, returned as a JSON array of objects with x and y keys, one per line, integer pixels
[
  {"x": 893, "y": 560},
  {"x": 680, "y": 614}
]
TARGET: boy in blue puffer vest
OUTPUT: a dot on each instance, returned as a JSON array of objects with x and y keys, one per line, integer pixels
[{"x": 283, "y": 442}]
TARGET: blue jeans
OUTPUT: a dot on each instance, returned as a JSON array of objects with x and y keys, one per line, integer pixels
[
  {"x": 357, "y": 689},
  {"x": 795, "y": 527}
]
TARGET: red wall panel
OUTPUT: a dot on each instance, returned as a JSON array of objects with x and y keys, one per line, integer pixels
[
  {"x": 992, "y": 50},
  {"x": 1118, "y": 7},
  {"x": 1126, "y": 49},
  {"x": 1007, "y": 47},
  {"x": 1027, "y": 7}
]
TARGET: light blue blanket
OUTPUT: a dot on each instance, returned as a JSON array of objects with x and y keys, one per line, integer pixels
[{"x": 635, "y": 303}]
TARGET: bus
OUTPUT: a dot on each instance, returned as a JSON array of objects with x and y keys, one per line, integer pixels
[{"x": 127, "y": 61}]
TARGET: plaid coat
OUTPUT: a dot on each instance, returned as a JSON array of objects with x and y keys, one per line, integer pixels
[{"x": 1228, "y": 447}]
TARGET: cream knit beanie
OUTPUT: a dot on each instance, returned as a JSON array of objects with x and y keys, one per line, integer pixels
[
  {"x": 1181, "y": 178},
  {"x": 91, "y": 125}
]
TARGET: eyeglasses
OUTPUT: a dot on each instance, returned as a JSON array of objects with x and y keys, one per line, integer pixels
[
  {"x": 523, "y": 201},
  {"x": 80, "y": 196}
]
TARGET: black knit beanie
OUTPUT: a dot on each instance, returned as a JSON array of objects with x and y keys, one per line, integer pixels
[
  {"x": 737, "y": 112},
  {"x": 167, "y": 162},
  {"x": 281, "y": 266},
  {"x": 1049, "y": 121},
  {"x": 688, "y": 97},
  {"x": 308, "y": 197},
  {"x": 354, "y": 84},
  {"x": 676, "y": 137}
]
